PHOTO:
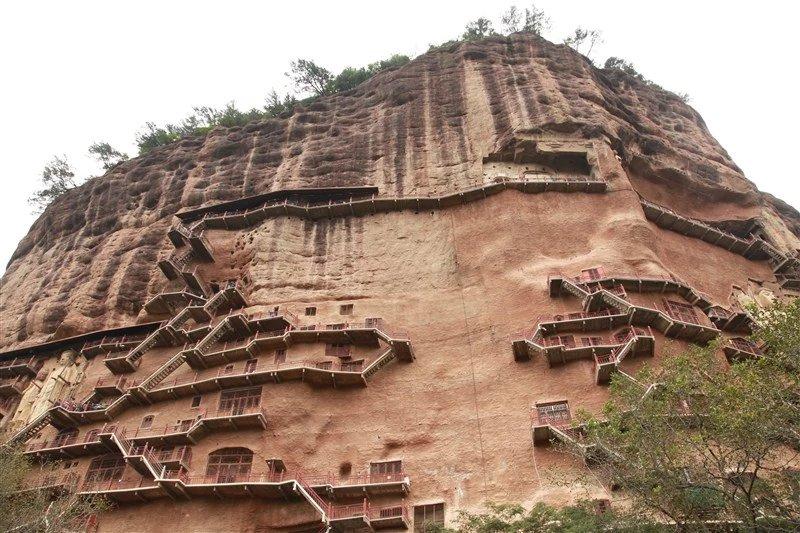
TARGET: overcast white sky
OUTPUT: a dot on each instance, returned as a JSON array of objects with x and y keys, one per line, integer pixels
[{"x": 78, "y": 72}]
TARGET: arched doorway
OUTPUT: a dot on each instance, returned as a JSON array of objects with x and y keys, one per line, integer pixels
[
  {"x": 105, "y": 468},
  {"x": 229, "y": 465}
]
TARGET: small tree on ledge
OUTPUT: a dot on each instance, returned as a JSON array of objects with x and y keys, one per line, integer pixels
[{"x": 57, "y": 178}]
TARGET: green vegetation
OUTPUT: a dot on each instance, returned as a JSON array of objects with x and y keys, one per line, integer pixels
[
  {"x": 37, "y": 511},
  {"x": 106, "y": 155},
  {"x": 616, "y": 63},
  {"x": 711, "y": 440},
  {"x": 57, "y": 178},
  {"x": 479, "y": 28},
  {"x": 533, "y": 20},
  {"x": 711, "y": 446},
  {"x": 581, "y": 518},
  {"x": 581, "y": 36},
  {"x": 307, "y": 78},
  {"x": 310, "y": 81}
]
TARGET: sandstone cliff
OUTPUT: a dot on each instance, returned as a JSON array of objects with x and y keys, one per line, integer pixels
[{"x": 89, "y": 262}]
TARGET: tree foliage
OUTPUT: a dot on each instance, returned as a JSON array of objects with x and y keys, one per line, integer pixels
[
  {"x": 531, "y": 20},
  {"x": 582, "y": 36},
  {"x": 308, "y": 77},
  {"x": 711, "y": 440},
  {"x": 107, "y": 155},
  {"x": 34, "y": 511},
  {"x": 542, "y": 518},
  {"x": 57, "y": 178},
  {"x": 478, "y": 29},
  {"x": 204, "y": 119},
  {"x": 276, "y": 105},
  {"x": 350, "y": 77},
  {"x": 616, "y": 63}
]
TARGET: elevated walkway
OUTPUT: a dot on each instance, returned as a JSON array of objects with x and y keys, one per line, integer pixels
[
  {"x": 205, "y": 423},
  {"x": 172, "y": 333},
  {"x": 165, "y": 303},
  {"x": 193, "y": 238},
  {"x": 229, "y": 216},
  {"x": 753, "y": 248}
]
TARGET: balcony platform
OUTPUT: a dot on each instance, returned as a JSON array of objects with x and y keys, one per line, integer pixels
[
  {"x": 584, "y": 323},
  {"x": 737, "y": 349},
  {"x": 121, "y": 364},
  {"x": 365, "y": 486},
  {"x": 390, "y": 520},
  {"x": 55, "y": 450},
  {"x": 124, "y": 491},
  {"x": 252, "y": 486},
  {"x": 19, "y": 366},
  {"x": 13, "y": 387}
]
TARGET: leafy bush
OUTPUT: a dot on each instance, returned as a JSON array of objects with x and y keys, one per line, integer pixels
[{"x": 307, "y": 77}]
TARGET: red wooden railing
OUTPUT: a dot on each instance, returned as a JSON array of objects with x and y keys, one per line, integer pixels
[
  {"x": 117, "y": 484},
  {"x": 261, "y": 366},
  {"x": 339, "y": 512},
  {"x": 19, "y": 361},
  {"x": 122, "y": 383}
]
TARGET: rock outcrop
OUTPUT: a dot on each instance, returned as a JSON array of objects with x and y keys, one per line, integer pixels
[
  {"x": 88, "y": 262},
  {"x": 529, "y": 223}
]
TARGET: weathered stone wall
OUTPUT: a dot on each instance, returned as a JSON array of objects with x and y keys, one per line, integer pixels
[
  {"x": 421, "y": 129},
  {"x": 461, "y": 280}
]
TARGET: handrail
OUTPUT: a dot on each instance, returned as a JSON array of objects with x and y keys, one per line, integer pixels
[
  {"x": 355, "y": 367},
  {"x": 19, "y": 361}
]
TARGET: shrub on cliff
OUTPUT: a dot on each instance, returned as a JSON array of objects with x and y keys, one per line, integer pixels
[
  {"x": 307, "y": 76},
  {"x": 711, "y": 440},
  {"x": 580, "y": 518}
]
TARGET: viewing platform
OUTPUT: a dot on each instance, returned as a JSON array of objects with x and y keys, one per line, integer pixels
[
  {"x": 583, "y": 321},
  {"x": 190, "y": 432},
  {"x": 790, "y": 282},
  {"x": 68, "y": 446},
  {"x": 112, "y": 386},
  {"x": 591, "y": 290},
  {"x": 141, "y": 489},
  {"x": 369, "y": 333},
  {"x": 111, "y": 344}
]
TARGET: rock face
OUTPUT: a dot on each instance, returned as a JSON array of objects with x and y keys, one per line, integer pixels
[{"x": 455, "y": 199}]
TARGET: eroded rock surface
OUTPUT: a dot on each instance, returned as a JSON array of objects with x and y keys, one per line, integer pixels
[{"x": 89, "y": 261}]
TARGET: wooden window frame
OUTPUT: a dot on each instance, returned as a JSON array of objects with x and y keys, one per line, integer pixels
[{"x": 431, "y": 513}]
